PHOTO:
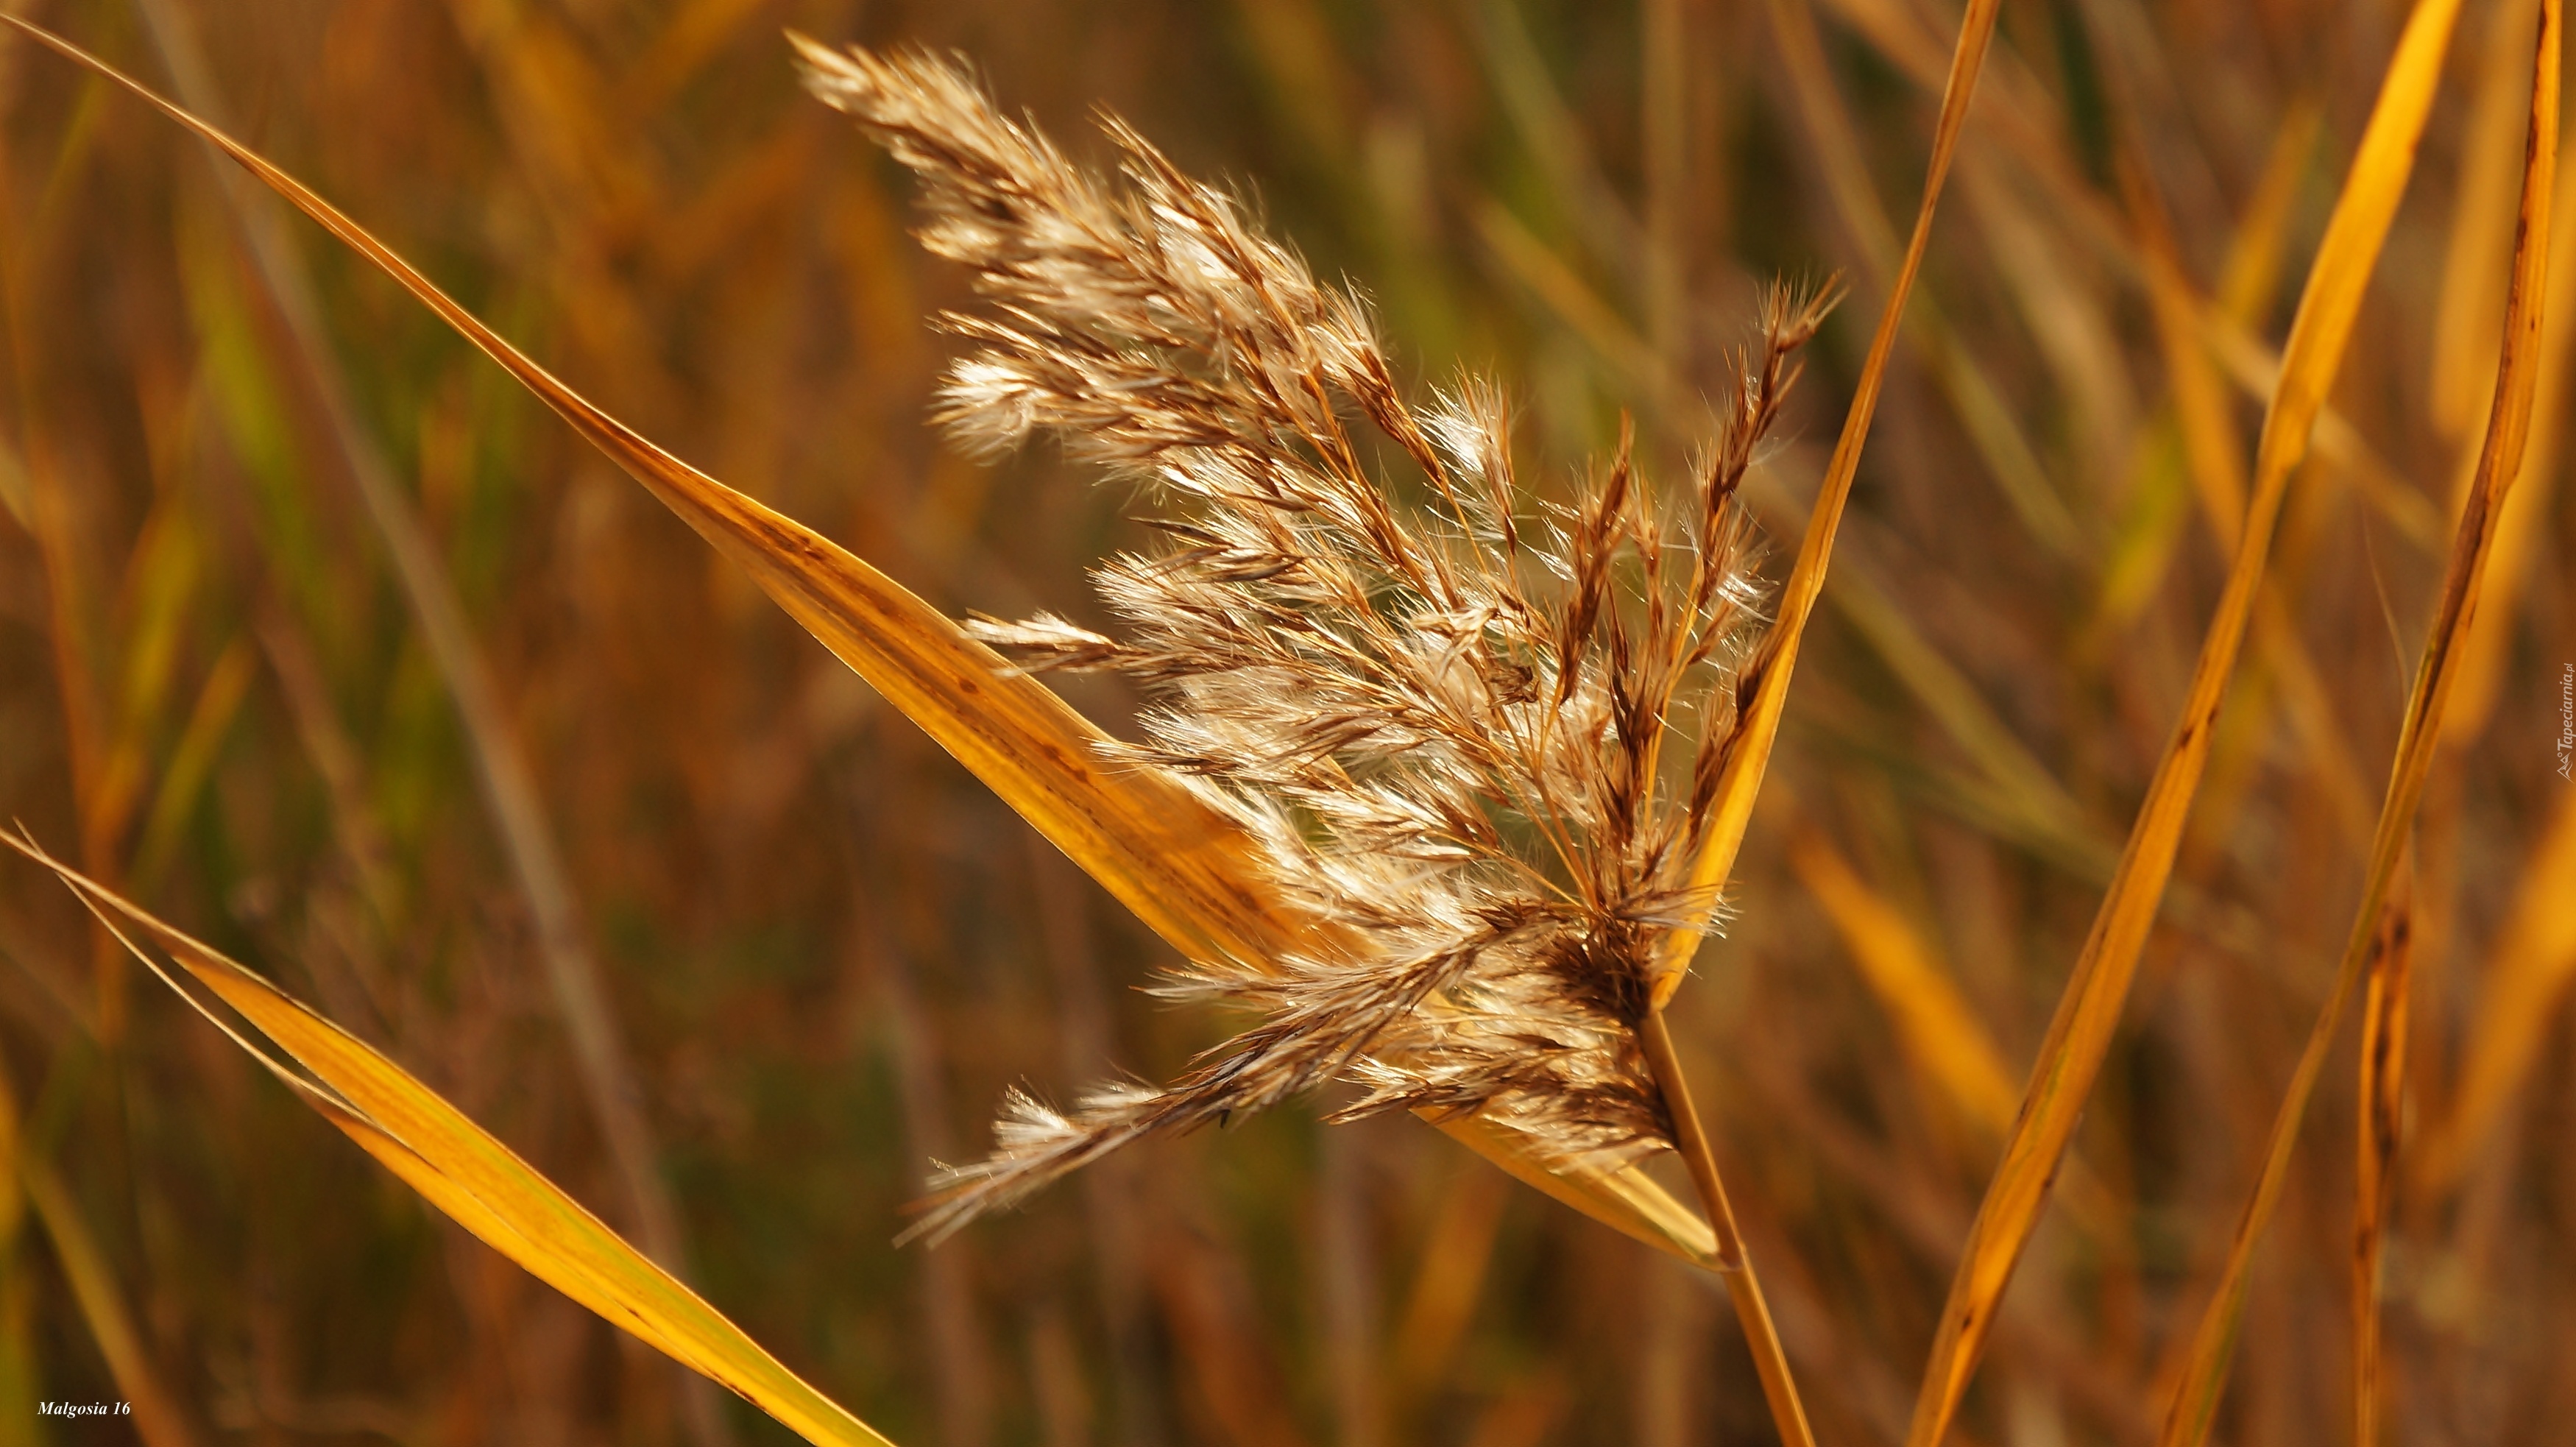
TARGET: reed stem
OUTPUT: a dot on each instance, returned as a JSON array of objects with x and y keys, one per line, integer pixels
[{"x": 1734, "y": 1266}]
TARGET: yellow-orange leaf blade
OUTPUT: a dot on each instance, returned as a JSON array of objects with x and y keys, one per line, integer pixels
[
  {"x": 2531, "y": 969},
  {"x": 479, "y": 1182},
  {"x": 2080, "y": 1033},
  {"x": 1629, "y": 1202},
  {"x": 1180, "y": 867},
  {"x": 2382, "y": 1100},
  {"x": 1161, "y": 852},
  {"x": 1749, "y": 752},
  {"x": 1947, "y": 1040},
  {"x": 2197, "y": 1390}
]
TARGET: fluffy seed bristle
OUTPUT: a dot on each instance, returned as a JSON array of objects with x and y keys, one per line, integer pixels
[{"x": 1449, "y": 725}]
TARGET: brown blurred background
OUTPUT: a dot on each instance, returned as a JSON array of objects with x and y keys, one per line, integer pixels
[{"x": 566, "y": 817}]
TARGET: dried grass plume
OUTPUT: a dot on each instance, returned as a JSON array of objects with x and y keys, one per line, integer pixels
[{"x": 1474, "y": 732}]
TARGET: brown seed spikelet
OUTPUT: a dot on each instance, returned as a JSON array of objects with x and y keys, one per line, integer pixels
[{"x": 1460, "y": 729}]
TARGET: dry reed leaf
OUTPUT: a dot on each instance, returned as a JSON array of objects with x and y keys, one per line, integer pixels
[
  {"x": 2027, "y": 799},
  {"x": 102, "y": 1306},
  {"x": 1458, "y": 1252},
  {"x": 1159, "y": 850},
  {"x": 2524, "y": 528},
  {"x": 1940, "y": 1030},
  {"x": 2089, "y": 1011},
  {"x": 466, "y": 1173},
  {"x": 1974, "y": 399},
  {"x": 2462, "y": 365},
  {"x": 2015, "y": 114},
  {"x": 1758, "y": 723},
  {"x": 2529, "y": 971},
  {"x": 1629, "y": 1201},
  {"x": 2196, "y": 1393},
  {"x": 2382, "y": 1113}
]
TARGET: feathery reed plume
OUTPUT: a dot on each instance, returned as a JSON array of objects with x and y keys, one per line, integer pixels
[{"x": 1448, "y": 720}]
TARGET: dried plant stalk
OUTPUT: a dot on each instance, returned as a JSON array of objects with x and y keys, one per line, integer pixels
[
  {"x": 454, "y": 1164},
  {"x": 1183, "y": 868},
  {"x": 2088, "y": 1011},
  {"x": 2383, "y": 1104},
  {"x": 2194, "y": 1398}
]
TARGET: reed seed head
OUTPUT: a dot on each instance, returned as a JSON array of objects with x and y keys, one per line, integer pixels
[{"x": 1475, "y": 733}]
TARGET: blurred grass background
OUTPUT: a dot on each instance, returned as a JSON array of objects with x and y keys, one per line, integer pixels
[{"x": 822, "y": 951}]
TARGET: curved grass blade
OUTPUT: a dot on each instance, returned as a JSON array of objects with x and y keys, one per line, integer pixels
[
  {"x": 1974, "y": 398},
  {"x": 2204, "y": 1375},
  {"x": 157, "y": 1420},
  {"x": 2529, "y": 973},
  {"x": 1629, "y": 1202},
  {"x": 1158, "y": 850},
  {"x": 1150, "y": 843},
  {"x": 1766, "y": 678},
  {"x": 1939, "y": 1028},
  {"x": 2383, "y": 1105},
  {"x": 1762, "y": 691},
  {"x": 2080, "y": 1033},
  {"x": 466, "y": 1173}
]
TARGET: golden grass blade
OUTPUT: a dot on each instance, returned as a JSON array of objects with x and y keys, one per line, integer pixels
[
  {"x": 2196, "y": 1392},
  {"x": 1155, "y": 847},
  {"x": 1457, "y": 1253},
  {"x": 2472, "y": 285},
  {"x": 1743, "y": 1286},
  {"x": 1629, "y": 1202},
  {"x": 469, "y": 1175},
  {"x": 1940, "y": 1031},
  {"x": 2079, "y": 1035},
  {"x": 2528, "y": 975},
  {"x": 1159, "y": 851},
  {"x": 192, "y": 762},
  {"x": 2383, "y": 1101},
  {"x": 1749, "y": 752},
  {"x": 2522, "y": 534},
  {"x": 102, "y": 1305},
  {"x": 1979, "y": 406},
  {"x": 2041, "y": 809}
]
